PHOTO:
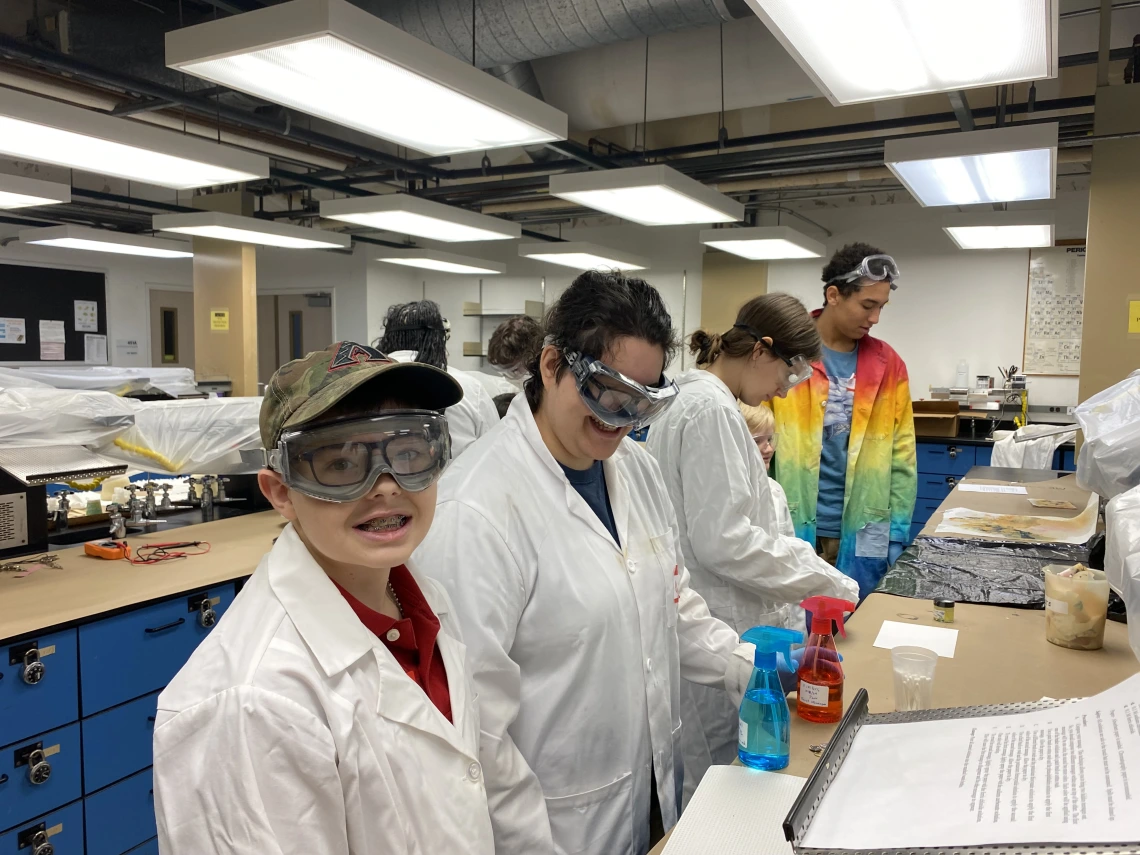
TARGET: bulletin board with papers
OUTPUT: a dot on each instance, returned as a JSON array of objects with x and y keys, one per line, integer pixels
[
  {"x": 1054, "y": 311},
  {"x": 50, "y": 314}
]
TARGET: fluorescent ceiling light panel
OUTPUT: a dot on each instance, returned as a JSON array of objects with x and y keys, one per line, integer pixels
[
  {"x": 930, "y": 46},
  {"x": 763, "y": 242},
  {"x": 1000, "y": 229},
  {"x": 1012, "y": 164},
  {"x": 102, "y": 240},
  {"x": 445, "y": 262},
  {"x": 44, "y": 131},
  {"x": 16, "y": 191},
  {"x": 650, "y": 195},
  {"x": 330, "y": 59},
  {"x": 413, "y": 215},
  {"x": 208, "y": 224},
  {"x": 582, "y": 256}
]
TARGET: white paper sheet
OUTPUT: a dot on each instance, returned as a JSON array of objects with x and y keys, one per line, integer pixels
[
  {"x": 13, "y": 331},
  {"x": 991, "y": 488},
  {"x": 737, "y": 811},
  {"x": 52, "y": 331},
  {"x": 1024, "y": 528},
  {"x": 895, "y": 634},
  {"x": 95, "y": 349},
  {"x": 86, "y": 316},
  {"x": 1065, "y": 775},
  {"x": 52, "y": 351}
]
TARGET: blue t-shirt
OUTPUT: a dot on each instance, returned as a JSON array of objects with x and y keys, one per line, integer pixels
[
  {"x": 840, "y": 369},
  {"x": 591, "y": 486}
]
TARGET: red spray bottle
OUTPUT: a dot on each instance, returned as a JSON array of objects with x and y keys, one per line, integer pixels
[{"x": 820, "y": 674}]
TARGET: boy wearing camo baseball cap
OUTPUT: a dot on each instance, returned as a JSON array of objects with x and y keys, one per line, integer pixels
[{"x": 331, "y": 709}]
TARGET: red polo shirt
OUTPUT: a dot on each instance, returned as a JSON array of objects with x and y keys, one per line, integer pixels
[{"x": 410, "y": 640}]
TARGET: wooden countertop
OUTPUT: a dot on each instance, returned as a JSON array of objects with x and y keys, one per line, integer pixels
[
  {"x": 84, "y": 586},
  {"x": 1002, "y": 657}
]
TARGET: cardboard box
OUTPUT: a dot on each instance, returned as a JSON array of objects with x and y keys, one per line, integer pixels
[{"x": 936, "y": 418}]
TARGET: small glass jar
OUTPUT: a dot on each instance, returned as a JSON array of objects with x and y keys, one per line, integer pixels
[{"x": 944, "y": 611}]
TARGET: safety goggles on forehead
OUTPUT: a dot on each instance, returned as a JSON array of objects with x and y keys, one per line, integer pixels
[
  {"x": 615, "y": 399},
  {"x": 798, "y": 367},
  {"x": 341, "y": 461},
  {"x": 873, "y": 267}
]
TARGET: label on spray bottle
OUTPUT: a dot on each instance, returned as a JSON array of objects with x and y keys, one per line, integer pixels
[
  {"x": 813, "y": 695},
  {"x": 742, "y": 734}
]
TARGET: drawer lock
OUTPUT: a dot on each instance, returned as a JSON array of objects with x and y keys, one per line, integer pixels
[
  {"x": 39, "y": 770},
  {"x": 35, "y": 838},
  {"x": 206, "y": 614},
  {"x": 33, "y": 670},
  {"x": 953, "y": 453}
]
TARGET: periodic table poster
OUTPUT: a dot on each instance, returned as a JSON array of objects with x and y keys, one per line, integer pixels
[{"x": 1054, "y": 312}]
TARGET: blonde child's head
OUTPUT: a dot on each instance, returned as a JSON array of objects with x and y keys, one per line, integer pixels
[{"x": 762, "y": 426}]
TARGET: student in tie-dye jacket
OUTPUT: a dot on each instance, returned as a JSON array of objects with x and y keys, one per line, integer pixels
[{"x": 846, "y": 457}]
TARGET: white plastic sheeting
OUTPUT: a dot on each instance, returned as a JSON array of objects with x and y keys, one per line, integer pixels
[
  {"x": 184, "y": 437},
  {"x": 14, "y": 378},
  {"x": 1122, "y": 557},
  {"x": 1109, "y": 462},
  {"x": 39, "y": 416},
  {"x": 172, "y": 381},
  {"x": 1034, "y": 453}
]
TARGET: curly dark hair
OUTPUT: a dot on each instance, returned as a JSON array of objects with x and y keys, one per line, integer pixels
[
  {"x": 598, "y": 308},
  {"x": 515, "y": 342},
  {"x": 416, "y": 326},
  {"x": 844, "y": 261}
]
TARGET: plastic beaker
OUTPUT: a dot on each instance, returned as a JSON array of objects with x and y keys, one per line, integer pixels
[
  {"x": 914, "y": 677},
  {"x": 1076, "y": 605}
]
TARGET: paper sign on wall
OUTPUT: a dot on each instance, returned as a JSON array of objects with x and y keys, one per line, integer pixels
[
  {"x": 52, "y": 341},
  {"x": 1134, "y": 317},
  {"x": 219, "y": 319},
  {"x": 13, "y": 331},
  {"x": 95, "y": 349},
  {"x": 127, "y": 346},
  {"x": 86, "y": 316}
]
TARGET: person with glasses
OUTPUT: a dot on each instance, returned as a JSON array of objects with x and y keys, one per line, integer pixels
[
  {"x": 847, "y": 454},
  {"x": 762, "y": 426},
  {"x": 748, "y": 572},
  {"x": 557, "y": 541},
  {"x": 332, "y": 709}
]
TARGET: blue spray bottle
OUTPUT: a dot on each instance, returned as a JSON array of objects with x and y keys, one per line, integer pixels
[{"x": 764, "y": 734}]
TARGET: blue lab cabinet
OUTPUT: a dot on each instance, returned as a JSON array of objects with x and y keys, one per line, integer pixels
[{"x": 89, "y": 719}]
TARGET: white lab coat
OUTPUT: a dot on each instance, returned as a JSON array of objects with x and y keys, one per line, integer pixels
[
  {"x": 577, "y": 645},
  {"x": 293, "y": 729},
  {"x": 470, "y": 418},
  {"x": 497, "y": 384},
  {"x": 783, "y": 513},
  {"x": 750, "y": 571}
]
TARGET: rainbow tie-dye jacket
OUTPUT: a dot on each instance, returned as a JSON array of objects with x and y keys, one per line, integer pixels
[{"x": 882, "y": 475}]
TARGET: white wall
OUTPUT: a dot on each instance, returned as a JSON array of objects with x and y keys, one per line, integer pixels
[{"x": 951, "y": 304}]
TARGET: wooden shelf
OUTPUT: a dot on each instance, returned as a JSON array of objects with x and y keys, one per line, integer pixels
[
  {"x": 474, "y": 348},
  {"x": 533, "y": 308}
]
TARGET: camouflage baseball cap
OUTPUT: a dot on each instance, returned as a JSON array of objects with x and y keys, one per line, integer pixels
[{"x": 303, "y": 389}]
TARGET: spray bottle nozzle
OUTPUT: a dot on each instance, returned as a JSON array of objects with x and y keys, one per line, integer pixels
[
  {"x": 769, "y": 641},
  {"x": 824, "y": 610}
]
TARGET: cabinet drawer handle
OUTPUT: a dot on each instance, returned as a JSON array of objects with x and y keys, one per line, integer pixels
[
  {"x": 3, "y": 779},
  {"x": 165, "y": 626},
  {"x": 150, "y": 718}
]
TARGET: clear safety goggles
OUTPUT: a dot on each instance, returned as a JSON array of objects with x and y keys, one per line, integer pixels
[
  {"x": 341, "y": 461},
  {"x": 613, "y": 398},
  {"x": 762, "y": 439},
  {"x": 874, "y": 267},
  {"x": 798, "y": 367},
  {"x": 514, "y": 373}
]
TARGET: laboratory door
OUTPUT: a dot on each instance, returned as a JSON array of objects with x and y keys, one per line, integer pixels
[
  {"x": 288, "y": 327},
  {"x": 172, "y": 328}
]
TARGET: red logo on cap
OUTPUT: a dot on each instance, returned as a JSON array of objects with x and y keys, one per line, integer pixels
[{"x": 350, "y": 353}]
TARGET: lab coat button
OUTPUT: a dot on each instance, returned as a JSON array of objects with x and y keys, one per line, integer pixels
[
  {"x": 473, "y": 772},
  {"x": 393, "y": 635},
  {"x": 648, "y": 664},
  {"x": 631, "y": 565}
]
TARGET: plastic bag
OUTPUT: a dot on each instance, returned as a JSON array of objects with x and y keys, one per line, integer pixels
[
  {"x": 44, "y": 416},
  {"x": 172, "y": 381},
  {"x": 13, "y": 378},
  {"x": 1030, "y": 454},
  {"x": 207, "y": 435},
  {"x": 1122, "y": 557},
  {"x": 1109, "y": 462}
]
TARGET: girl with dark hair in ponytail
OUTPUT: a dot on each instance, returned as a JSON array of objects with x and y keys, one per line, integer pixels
[{"x": 747, "y": 570}]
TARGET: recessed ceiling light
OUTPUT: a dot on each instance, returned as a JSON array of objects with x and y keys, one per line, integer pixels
[
  {"x": 209, "y": 224},
  {"x": 102, "y": 240},
  {"x": 1012, "y": 164},
  {"x": 933, "y": 47},
  {"x": 582, "y": 255},
  {"x": 445, "y": 262},
  {"x": 44, "y": 131},
  {"x": 1000, "y": 229},
  {"x": 330, "y": 59},
  {"x": 413, "y": 215},
  {"x": 763, "y": 242},
  {"x": 16, "y": 191},
  {"x": 650, "y": 195}
]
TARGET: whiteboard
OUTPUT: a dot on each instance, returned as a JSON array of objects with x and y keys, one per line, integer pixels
[{"x": 1054, "y": 311}]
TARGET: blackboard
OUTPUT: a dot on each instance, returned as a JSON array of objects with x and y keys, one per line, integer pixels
[{"x": 49, "y": 294}]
